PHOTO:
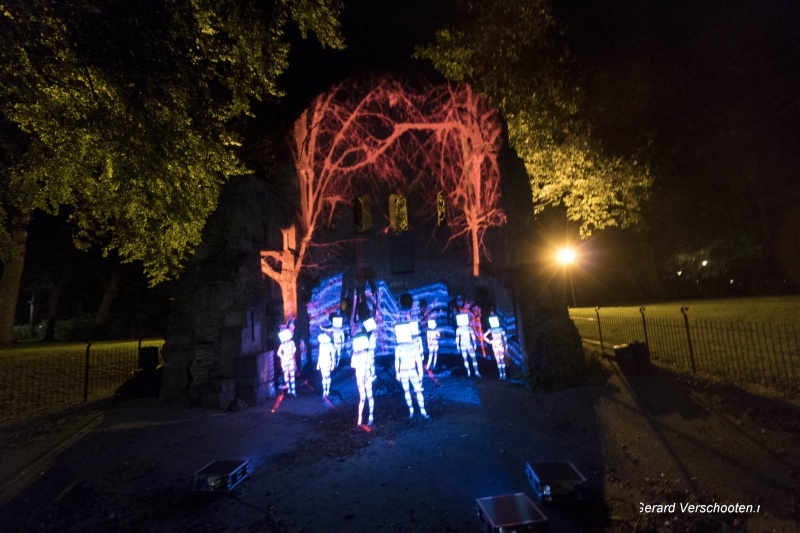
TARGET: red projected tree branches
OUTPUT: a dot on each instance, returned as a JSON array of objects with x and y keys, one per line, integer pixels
[
  {"x": 365, "y": 127},
  {"x": 468, "y": 172},
  {"x": 345, "y": 130}
]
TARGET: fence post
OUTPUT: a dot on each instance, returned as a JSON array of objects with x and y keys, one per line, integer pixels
[
  {"x": 599, "y": 331},
  {"x": 688, "y": 338},
  {"x": 644, "y": 327},
  {"x": 86, "y": 373}
]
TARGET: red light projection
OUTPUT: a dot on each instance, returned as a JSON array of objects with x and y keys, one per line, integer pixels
[
  {"x": 278, "y": 402},
  {"x": 464, "y": 161},
  {"x": 345, "y": 130},
  {"x": 379, "y": 128}
]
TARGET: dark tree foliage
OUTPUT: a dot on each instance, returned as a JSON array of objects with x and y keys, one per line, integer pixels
[{"x": 126, "y": 112}]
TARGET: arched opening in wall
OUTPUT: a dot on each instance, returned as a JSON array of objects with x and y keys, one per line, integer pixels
[
  {"x": 398, "y": 213},
  {"x": 362, "y": 213},
  {"x": 441, "y": 209}
]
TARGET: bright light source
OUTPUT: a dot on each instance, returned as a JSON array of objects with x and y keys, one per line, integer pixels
[
  {"x": 704, "y": 263},
  {"x": 680, "y": 272},
  {"x": 566, "y": 256}
]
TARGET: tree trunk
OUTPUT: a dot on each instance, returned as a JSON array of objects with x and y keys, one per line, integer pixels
[
  {"x": 104, "y": 313},
  {"x": 289, "y": 295},
  {"x": 476, "y": 253},
  {"x": 12, "y": 277},
  {"x": 32, "y": 311},
  {"x": 52, "y": 313}
]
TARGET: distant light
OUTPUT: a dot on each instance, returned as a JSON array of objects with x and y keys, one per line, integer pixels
[
  {"x": 566, "y": 256},
  {"x": 731, "y": 282},
  {"x": 680, "y": 272},
  {"x": 704, "y": 263}
]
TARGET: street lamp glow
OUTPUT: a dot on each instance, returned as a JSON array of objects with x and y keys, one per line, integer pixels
[{"x": 566, "y": 256}]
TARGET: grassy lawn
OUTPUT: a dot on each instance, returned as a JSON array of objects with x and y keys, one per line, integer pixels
[
  {"x": 774, "y": 310},
  {"x": 748, "y": 340},
  {"x": 41, "y": 377}
]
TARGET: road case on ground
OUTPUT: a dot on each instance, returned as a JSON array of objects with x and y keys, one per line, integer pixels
[
  {"x": 556, "y": 481},
  {"x": 510, "y": 513},
  {"x": 219, "y": 476}
]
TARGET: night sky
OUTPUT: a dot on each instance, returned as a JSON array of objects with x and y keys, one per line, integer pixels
[{"x": 709, "y": 90}]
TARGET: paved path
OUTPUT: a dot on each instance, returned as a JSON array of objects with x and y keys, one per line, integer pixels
[{"x": 313, "y": 469}]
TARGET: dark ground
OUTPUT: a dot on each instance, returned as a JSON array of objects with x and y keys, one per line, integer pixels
[{"x": 652, "y": 438}]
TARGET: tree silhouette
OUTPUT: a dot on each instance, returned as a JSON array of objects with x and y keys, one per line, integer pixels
[
  {"x": 468, "y": 172},
  {"x": 125, "y": 114}
]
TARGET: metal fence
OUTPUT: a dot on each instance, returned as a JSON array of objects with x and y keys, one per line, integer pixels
[
  {"x": 739, "y": 352},
  {"x": 39, "y": 381}
]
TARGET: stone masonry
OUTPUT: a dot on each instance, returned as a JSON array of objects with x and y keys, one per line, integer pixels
[{"x": 219, "y": 347}]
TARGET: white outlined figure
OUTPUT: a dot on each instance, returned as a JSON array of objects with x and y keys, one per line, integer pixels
[
  {"x": 432, "y": 336},
  {"x": 497, "y": 336},
  {"x": 325, "y": 362},
  {"x": 370, "y": 326},
  {"x": 361, "y": 364},
  {"x": 408, "y": 365},
  {"x": 337, "y": 332},
  {"x": 465, "y": 342},
  {"x": 286, "y": 352}
]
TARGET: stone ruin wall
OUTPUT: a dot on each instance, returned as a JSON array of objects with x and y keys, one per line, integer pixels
[{"x": 218, "y": 347}]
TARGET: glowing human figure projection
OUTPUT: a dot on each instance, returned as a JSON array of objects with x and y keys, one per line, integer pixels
[
  {"x": 465, "y": 342},
  {"x": 370, "y": 326},
  {"x": 497, "y": 336},
  {"x": 432, "y": 336},
  {"x": 361, "y": 364},
  {"x": 325, "y": 362},
  {"x": 286, "y": 352},
  {"x": 338, "y": 338},
  {"x": 408, "y": 365}
]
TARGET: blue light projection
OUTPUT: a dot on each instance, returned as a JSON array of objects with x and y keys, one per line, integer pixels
[{"x": 326, "y": 301}]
